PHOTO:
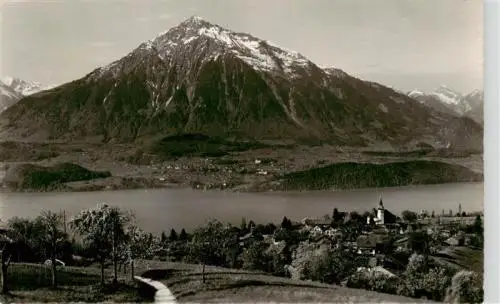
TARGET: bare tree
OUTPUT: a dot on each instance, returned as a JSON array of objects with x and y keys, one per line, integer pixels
[{"x": 5, "y": 260}]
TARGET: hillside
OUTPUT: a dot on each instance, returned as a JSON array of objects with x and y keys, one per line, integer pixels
[
  {"x": 33, "y": 177},
  {"x": 238, "y": 286},
  {"x": 352, "y": 175},
  {"x": 201, "y": 78}
]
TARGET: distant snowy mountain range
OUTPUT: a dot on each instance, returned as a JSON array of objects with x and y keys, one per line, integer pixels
[
  {"x": 446, "y": 100},
  {"x": 13, "y": 89}
]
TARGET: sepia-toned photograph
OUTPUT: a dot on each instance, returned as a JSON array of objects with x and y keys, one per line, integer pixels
[{"x": 232, "y": 151}]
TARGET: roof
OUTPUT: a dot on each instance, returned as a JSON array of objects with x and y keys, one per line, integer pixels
[
  {"x": 365, "y": 241},
  {"x": 371, "y": 240},
  {"x": 314, "y": 222},
  {"x": 401, "y": 241},
  {"x": 381, "y": 269},
  {"x": 277, "y": 247},
  {"x": 452, "y": 240}
]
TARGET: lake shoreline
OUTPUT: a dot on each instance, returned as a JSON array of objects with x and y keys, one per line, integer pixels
[{"x": 91, "y": 189}]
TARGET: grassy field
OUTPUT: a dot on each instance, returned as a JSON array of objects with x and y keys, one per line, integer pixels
[
  {"x": 232, "y": 286},
  {"x": 30, "y": 283},
  {"x": 463, "y": 258}
]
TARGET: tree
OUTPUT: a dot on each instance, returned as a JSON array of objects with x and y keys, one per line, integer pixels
[
  {"x": 214, "y": 244},
  {"x": 433, "y": 214},
  {"x": 183, "y": 236},
  {"x": 5, "y": 257},
  {"x": 255, "y": 258},
  {"x": 173, "y": 235},
  {"x": 435, "y": 283},
  {"x": 465, "y": 287},
  {"x": 54, "y": 238},
  {"x": 140, "y": 245},
  {"x": 356, "y": 217},
  {"x": 373, "y": 281},
  {"x": 286, "y": 223},
  {"x": 420, "y": 281},
  {"x": 477, "y": 227},
  {"x": 163, "y": 237},
  {"x": 419, "y": 242},
  {"x": 329, "y": 267},
  {"x": 31, "y": 232},
  {"x": 409, "y": 216},
  {"x": 102, "y": 229}
]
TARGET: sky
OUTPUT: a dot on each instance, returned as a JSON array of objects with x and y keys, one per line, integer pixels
[{"x": 405, "y": 44}]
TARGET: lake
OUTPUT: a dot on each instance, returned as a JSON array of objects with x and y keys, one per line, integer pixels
[{"x": 163, "y": 209}]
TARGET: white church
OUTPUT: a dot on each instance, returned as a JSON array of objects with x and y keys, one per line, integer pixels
[{"x": 382, "y": 216}]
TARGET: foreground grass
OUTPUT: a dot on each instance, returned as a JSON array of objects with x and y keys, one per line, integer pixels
[
  {"x": 30, "y": 283},
  {"x": 352, "y": 175},
  {"x": 236, "y": 286}
]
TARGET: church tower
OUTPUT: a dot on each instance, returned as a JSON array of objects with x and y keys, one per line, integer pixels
[{"x": 380, "y": 212}]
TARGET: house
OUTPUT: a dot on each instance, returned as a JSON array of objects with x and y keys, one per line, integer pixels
[
  {"x": 333, "y": 233},
  {"x": 322, "y": 223},
  {"x": 366, "y": 245},
  {"x": 455, "y": 241},
  {"x": 401, "y": 244},
  {"x": 373, "y": 243}
]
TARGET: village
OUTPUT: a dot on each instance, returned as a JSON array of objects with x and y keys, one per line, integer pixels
[
  {"x": 380, "y": 235},
  {"x": 413, "y": 255}
]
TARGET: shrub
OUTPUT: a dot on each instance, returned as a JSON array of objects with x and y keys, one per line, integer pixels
[{"x": 465, "y": 288}]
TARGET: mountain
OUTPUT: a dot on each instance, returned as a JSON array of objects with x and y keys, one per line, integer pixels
[
  {"x": 448, "y": 101},
  {"x": 23, "y": 87},
  {"x": 476, "y": 101},
  {"x": 198, "y": 77},
  {"x": 13, "y": 89},
  {"x": 8, "y": 97}
]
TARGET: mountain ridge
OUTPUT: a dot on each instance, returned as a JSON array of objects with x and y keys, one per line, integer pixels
[
  {"x": 24, "y": 87},
  {"x": 14, "y": 89},
  {"x": 446, "y": 100},
  {"x": 198, "y": 77},
  {"x": 8, "y": 97}
]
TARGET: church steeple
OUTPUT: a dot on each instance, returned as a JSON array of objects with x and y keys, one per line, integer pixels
[{"x": 380, "y": 212}]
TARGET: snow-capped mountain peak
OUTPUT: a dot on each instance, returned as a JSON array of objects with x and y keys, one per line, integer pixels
[
  {"x": 447, "y": 95},
  {"x": 206, "y": 41},
  {"x": 416, "y": 93},
  {"x": 23, "y": 87},
  {"x": 448, "y": 98},
  {"x": 475, "y": 95}
]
